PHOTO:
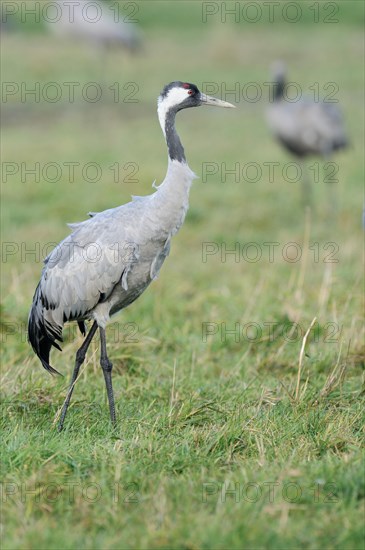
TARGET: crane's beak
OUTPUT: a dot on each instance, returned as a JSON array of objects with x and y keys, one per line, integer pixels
[{"x": 208, "y": 100}]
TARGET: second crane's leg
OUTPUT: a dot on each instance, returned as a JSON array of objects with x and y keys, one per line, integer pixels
[
  {"x": 107, "y": 366},
  {"x": 80, "y": 358},
  {"x": 307, "y": 198},
  {"x": 330, "y": 178}
]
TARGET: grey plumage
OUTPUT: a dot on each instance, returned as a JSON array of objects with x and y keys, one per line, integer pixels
[
  {"x": 107, "y": 261},
  {"x": 304, "y": 127},
  {"x": 110, "y": 259},
  {"x": 97, "y": 23}
]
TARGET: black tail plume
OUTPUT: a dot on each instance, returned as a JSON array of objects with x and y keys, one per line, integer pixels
[{"x": 41, "y": 335}]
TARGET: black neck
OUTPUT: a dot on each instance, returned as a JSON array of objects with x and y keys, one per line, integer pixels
[
  {"x": 176, "y": 150},
  {"x": 279, "y": 87}
]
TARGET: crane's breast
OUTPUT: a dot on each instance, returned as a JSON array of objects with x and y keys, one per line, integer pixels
[{"x": 159, "y": 259}]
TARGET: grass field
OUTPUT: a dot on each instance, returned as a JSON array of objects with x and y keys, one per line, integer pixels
[{"x": 228, "y": 436}]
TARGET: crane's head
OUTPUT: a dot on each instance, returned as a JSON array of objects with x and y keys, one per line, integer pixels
[
  {"x": 181, "y": 95},
  {"x": 278, "y": 76},
  {"x": 278, "y": 70},
  {"x": 173, "y": 98}
]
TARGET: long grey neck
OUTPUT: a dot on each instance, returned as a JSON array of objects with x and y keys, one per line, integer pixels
[
  {"x": 175, "y": 148},
  {"x": 279, "y": 88},
  {"x": 172, "y": 196}
]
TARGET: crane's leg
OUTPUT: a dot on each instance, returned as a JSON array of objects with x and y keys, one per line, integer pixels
[
  {"x": 107, "y": 366},
  {"x": 80, "y": 358},
  {"x": 307, "y": 195},
  {"x": 331, "y": 189}
]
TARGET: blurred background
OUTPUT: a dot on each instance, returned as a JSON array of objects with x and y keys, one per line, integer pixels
[
  {"x": 79, "y": 109},
  {"x": 80, "y": 133},
  {"x": 72, "y": 97}
]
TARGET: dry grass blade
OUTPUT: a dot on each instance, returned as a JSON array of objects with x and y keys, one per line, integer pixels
[
  {"x": 301, "y": 356},
  {"x": 336, "y": 377}
]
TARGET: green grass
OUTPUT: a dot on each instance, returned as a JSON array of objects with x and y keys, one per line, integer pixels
[{"x": 221, "y": 442}]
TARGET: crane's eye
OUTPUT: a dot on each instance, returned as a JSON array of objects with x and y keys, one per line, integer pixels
[{"x": 190, "y": 92}]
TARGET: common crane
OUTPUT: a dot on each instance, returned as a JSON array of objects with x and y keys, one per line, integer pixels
[
  {"x": 130, "y": 244},
  {"x": 95, "y": 22},
  {"x": 304, "y": 127}
]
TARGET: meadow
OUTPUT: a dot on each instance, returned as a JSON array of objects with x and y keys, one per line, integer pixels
[{"x": 237, "y": 428}]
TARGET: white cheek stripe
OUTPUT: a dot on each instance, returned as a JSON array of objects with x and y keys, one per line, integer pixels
[{"x": 174, "y": 97}]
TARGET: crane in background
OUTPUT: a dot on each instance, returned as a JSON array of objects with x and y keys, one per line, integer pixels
[
  {"x": 305, "y": 127},
  {"x": 95, "y": 22}
]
